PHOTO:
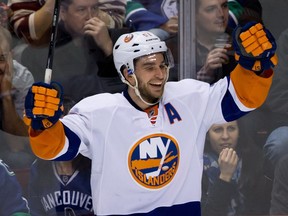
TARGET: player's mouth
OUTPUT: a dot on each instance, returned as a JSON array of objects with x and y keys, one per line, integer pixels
[{"x": 156, "y": 85}]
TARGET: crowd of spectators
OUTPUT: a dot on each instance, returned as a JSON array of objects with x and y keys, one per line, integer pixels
[{"x": 83, "y": 64}]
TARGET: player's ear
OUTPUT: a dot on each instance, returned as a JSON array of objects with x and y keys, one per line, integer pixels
[
  {"x": 124, "y": 71},
  {"x": 127, "y": 74}
]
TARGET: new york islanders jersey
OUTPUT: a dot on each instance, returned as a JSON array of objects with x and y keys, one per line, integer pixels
[{"x": 143, "y": 166}]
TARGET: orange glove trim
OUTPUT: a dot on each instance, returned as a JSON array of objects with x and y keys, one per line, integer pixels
[
  {"x": 250, "y": 88},
  {"x": 274, "y": 59},
  {"x": 48, "y": 143}
]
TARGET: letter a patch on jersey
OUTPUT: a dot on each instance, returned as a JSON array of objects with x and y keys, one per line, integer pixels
[
  {"x": 172, "y": 113},
  {"x": 153, "y": 160}
]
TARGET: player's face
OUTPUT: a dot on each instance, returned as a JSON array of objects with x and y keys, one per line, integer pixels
[
  {"x": 223, "y": 136},
  {"x": 152, "y": 73},
  {"x": 77, "y": 13},
  {"x": 212, "y": 16}
]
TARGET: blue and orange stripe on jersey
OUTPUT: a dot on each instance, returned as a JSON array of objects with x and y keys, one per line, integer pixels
[
  {"x": 248, "y": 92},
  {"x": 51, "y": 143}
]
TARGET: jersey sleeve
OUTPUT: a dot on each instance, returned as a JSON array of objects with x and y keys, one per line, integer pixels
[
  {"x": 62, "y": 141},
  {"x": 235, "y": 96},
  {"x": 139, "y": 18},
  {"x": 246, "y": 92},
  {"x": 22, "y": 18},
  {"x": 12, "y": 200},
  {"x": 251, "y": 89}
]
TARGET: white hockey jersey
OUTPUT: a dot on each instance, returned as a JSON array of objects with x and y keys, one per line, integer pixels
[{"x": 143, "y": 167}]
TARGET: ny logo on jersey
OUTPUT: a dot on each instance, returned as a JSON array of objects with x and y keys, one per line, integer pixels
[{"x": 153, "y": 160}]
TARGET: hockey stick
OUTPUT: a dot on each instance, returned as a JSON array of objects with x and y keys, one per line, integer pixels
[{"x": 49, "y": 65}]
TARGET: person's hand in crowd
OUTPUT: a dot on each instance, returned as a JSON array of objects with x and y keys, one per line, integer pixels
[
  {"x": 106, "y": 18},
  {"x": 227, "y": 160},
  {"x": 97, "y": 28},
  {"x": 171, "y": 25},
  {"x": 215, "y": 58}
]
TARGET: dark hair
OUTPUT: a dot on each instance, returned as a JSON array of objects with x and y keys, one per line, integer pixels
[
  {"x": 250, "y": 153},
  {"x": 65, "y": 3}
]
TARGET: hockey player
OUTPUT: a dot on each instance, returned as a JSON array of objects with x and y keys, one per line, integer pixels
[{"x": 146, "y": 144}]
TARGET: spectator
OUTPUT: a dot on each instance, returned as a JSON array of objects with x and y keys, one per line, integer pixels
[
  {"x": 32, "y": 19},
  {"x": 243, "y": 11},
  {"x": 279, "y": 196},
  {"x": 212, "y": 57},
  {"x": 277, "y": 100},
  {"x": 275, "y": 147},
  {"x": 215, "y": 21},
  {"x": 277, "y": 106},
  {"x": 150, "y": 170},
  {"x": 12, "y": 201},
  {"x": 57, "y": 186},
  {"x": 15, "y": 80},
  {"x": 160, "y": 17},
  {"x": 83, "y": 52},
  {"x": 233, "y": 182}
]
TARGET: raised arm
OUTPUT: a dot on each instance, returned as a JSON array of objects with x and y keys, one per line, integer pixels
[
  {"x": 31, "y": 20},
  {"x": 255, "y": 52}
]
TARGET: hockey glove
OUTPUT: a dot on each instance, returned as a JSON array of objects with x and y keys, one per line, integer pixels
[
  {"x": 254, "y": 47},
  {"x": 43, "y": 105}
]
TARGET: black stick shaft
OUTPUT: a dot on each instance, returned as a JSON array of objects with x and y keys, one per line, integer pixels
[{"x": 49, "y": 65}]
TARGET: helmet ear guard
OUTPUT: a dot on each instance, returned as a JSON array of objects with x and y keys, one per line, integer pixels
[{"x": 130, "y": 71}]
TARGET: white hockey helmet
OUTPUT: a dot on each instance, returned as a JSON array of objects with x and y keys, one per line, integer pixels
[{"x": 130, "y": 46}]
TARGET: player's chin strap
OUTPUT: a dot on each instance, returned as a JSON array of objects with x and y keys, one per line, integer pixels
[{"x": 137, "y": 92}]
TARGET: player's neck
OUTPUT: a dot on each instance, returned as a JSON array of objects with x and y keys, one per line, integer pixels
[{"x": 137, "y": 100}]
